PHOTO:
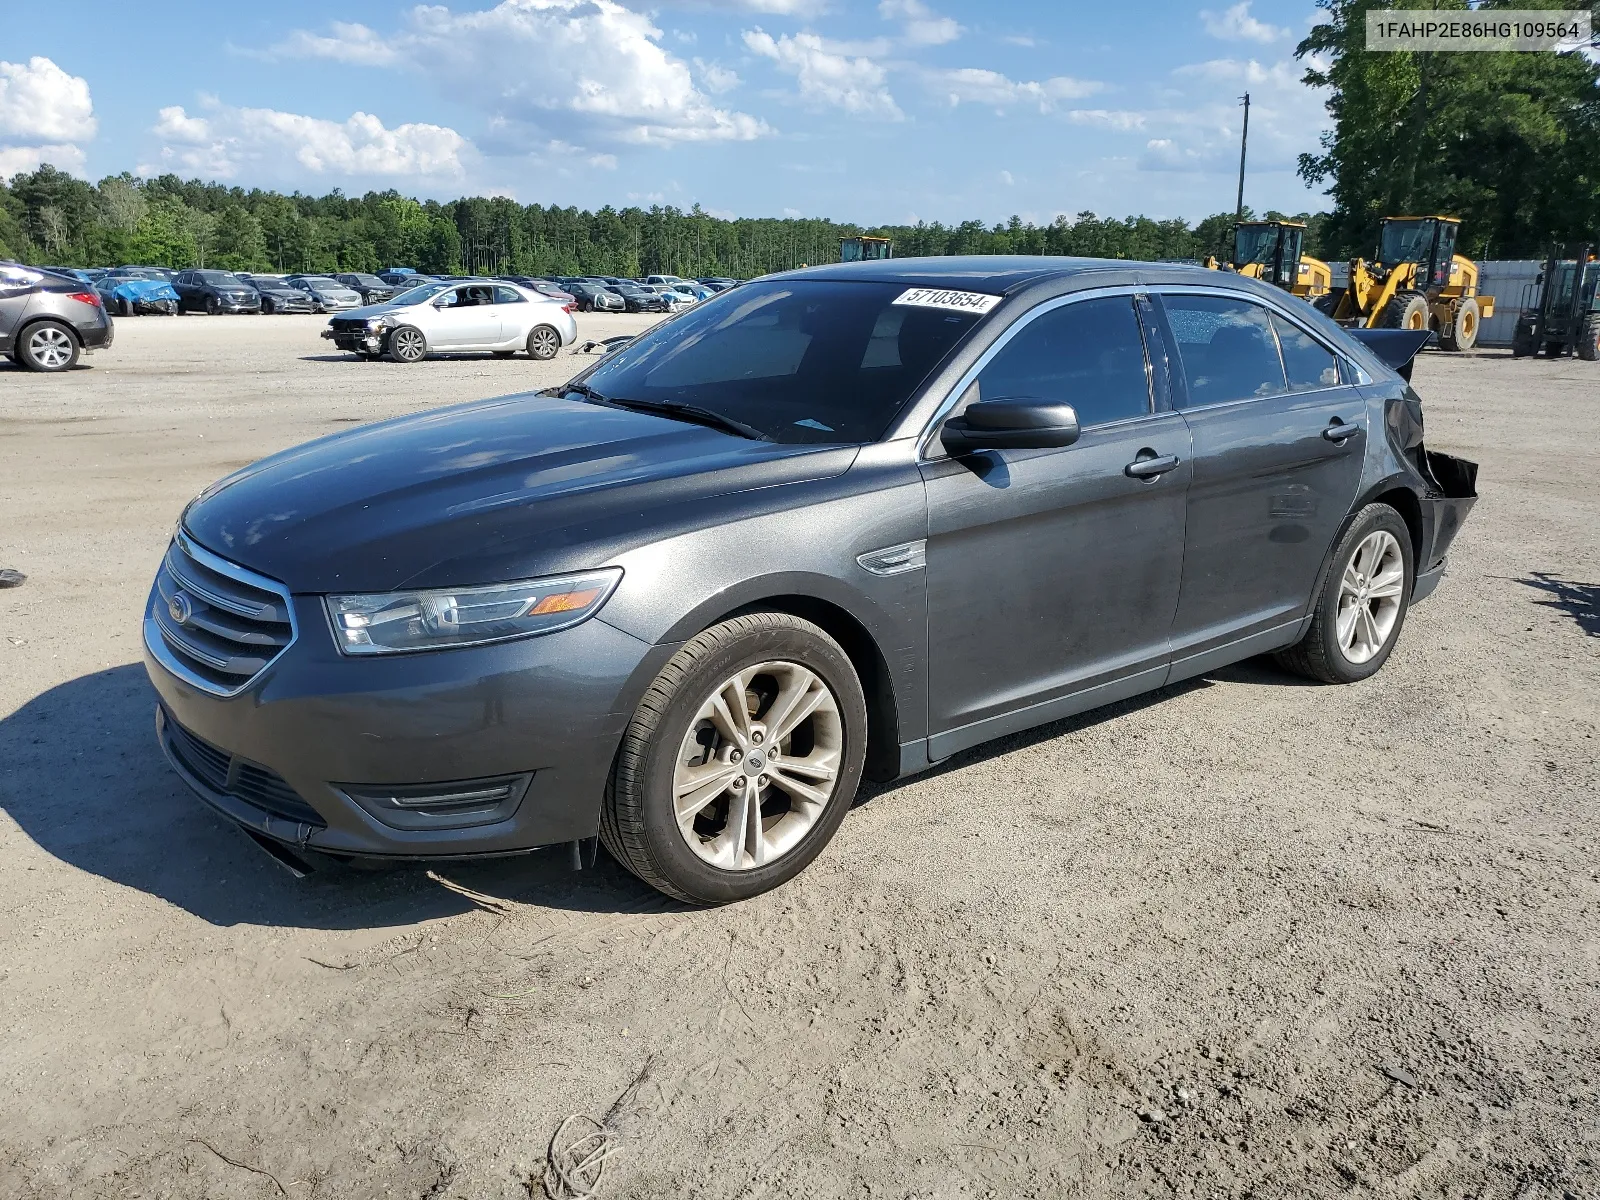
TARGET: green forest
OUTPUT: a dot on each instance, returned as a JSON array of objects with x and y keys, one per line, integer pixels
[{"x": 1508, "y": 142}]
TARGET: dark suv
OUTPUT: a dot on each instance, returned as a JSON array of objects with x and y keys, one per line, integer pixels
[
  {"x": 373, "y": 290},
  {"x": 215, "y": 292},
  {"x": 47, "y": 320}
]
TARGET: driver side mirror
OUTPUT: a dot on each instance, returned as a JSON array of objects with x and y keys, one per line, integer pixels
[{"x": 1025, "y": 423}]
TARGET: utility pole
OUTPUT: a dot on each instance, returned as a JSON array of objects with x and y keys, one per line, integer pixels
[{"x": 1244, "y": 141}]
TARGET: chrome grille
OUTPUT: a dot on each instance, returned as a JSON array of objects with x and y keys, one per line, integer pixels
[
  {"x": 228, "y": 775},
  {"x": 213, "y": 623}
]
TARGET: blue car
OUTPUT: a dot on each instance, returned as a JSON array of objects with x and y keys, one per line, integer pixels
[{"x": 128, "y": 291}]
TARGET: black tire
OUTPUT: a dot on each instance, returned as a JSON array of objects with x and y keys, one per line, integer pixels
[
  {"x": 637, "y": 823},
  {"x": 1407, "y": 310},
  {"x": 269, "y": 306},
  {"x": 124, "y": 307},
  {"x": 407, "y": 344},
  {"x": 1465, "y": 325},
  {"x": 544, "y": 343},
  {"x": 1318, "y": 655},
  {"x": 1554, "y": 349},
  {"x": 1522, "y": 343},
  {"x": 1589, "y": 338},
  {"x": 48, "y": 346},
  {"x": 212, "y": 307}
]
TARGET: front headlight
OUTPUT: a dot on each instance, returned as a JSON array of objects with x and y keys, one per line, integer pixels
[{"x": 395, "y": 622}]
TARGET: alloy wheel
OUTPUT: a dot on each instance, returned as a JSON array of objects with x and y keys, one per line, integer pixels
[
  {"x": 544, "y": 343},
  {"x": 1370, "y": 596},
  {"x": 758, "y": 766},
  {"x": 50, "y": 347},
  {"x": 408, "y": 345}
]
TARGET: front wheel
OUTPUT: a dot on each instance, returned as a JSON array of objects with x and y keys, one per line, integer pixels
[
  {"x": 212, "y": 307},
  {"x": 407, "y": 345},
  {"x": 48, "y": 346},
  {"x": 1363, "y": 603},
  {"x": 740, "y": 763},
  {"x": 269, "y": 306},
  {"x": 1407, "y": 310},
  {"x": 1589, "y": 338},
  {"x": 544, "y": 343}
]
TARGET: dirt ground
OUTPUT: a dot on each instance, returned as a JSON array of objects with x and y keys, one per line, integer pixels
[{"x": 1246, "y": 937}]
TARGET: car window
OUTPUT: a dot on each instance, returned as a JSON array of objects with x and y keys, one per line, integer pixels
[
  {"x": 1089, "y": 355},
  {"x": 1306, "y": 362},
  {"x": 1227, "y": 348},
  {"x": 800, "y": 360},
  {"x": 505, "y": 295}
]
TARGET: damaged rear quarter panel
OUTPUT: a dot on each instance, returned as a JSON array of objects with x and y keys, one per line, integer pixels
[{"x": 1445, "y": 486}]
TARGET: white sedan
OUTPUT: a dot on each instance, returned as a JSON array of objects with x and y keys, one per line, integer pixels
[{"x": 454, "y": 317}]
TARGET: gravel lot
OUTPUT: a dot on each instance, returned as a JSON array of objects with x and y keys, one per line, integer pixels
[{"x": 1245, "y": 937}]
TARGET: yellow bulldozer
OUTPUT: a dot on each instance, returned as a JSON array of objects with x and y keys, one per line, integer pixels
[
  {"x": 1418, "y": 282},
  {"x": 1272, "y": 252}
]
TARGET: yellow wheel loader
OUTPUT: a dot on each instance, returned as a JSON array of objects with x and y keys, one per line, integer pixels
[
  {"x": 865, "y": 249},
  {"x": 1271, "y": 251},
  {"x": 1418, "y": 282}
]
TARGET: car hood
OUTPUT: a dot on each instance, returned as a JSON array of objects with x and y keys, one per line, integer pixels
[{"x": 481, "y": 493}]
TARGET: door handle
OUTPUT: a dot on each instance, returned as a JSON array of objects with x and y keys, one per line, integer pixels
[
  {"x": 1338, "y": 431},
  {"x": 1149, "y": 466}
]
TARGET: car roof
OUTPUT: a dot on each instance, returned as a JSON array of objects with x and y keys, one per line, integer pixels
[{"x": 994, "y": 273}]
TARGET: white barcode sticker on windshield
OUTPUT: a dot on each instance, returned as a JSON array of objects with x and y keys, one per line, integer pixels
[{"x": 973, "y": 302}]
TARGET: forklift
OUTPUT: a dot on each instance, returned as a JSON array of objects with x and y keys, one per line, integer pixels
[
  {"x": 1418, "y": 282},
  {"x": 1558, "y": 308},
  {"x": 865, "y": 249},
  {"x": 1271, "y": 252}
]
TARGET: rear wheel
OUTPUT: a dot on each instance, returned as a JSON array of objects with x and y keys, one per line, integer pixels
[
  {"x": 1589, "y": 338},
  {"x": 407, "y": 345},
  {"x": 1363, "y": 603},
  {"x": 48, "y": 346},
  {"x": 740, "y": 762},
  {"x": 1407, "y": 310},
  {"x": 1522, "y": 343},
  {"x": 544, "y": 343}
]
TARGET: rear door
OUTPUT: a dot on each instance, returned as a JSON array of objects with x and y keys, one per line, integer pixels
[
  {"x": 1053, "y": 574},
  {"x": 1279, "y": 440}
]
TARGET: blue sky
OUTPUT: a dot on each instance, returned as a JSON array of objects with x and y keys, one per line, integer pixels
[{"x": 890, "y": 110}]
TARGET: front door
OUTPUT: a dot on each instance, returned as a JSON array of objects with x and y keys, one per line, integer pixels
[
  {"x": 1279, "y": 441},
  {"x": 464, "y": 318},
  {"x": 1053, "y": 574}
]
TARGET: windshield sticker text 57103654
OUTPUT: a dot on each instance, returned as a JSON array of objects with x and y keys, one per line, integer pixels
[{"x": 972, "y": 302}]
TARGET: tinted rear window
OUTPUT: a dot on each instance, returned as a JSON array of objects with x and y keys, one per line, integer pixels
[{"x": 802, "y": 361}]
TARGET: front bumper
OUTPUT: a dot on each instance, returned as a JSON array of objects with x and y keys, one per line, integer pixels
[
  {"x": 325, "y": 726},
  {"x": 228, "y": 305}
]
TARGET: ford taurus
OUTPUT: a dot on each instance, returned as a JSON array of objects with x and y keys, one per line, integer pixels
[{"x": 836, "y": 524}]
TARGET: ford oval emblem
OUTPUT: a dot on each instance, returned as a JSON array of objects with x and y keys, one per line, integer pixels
[{"x": 180, "y": 608}]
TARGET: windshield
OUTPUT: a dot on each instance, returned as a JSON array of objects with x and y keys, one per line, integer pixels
[
  {"x": 1406, "y": 241},
  {"x": 418, "y": 294},
  {"x": 1255, "y": 244},
  {"x": 800, "y": 360},
  {"x": 366, "y": 280},
  {"x": 223, "y": 277}
]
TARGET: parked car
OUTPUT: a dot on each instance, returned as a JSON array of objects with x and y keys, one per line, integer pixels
[
  {"x": 501, "y": 318},
  {"x": 673, "y": 280},
  {"x": 215, "y": 292},
  {"x": 69, "y": 272},
  {"x": 717, "y": 284},
  {"x": 544, "y": 287},
  {"x": 327, "y": 294},
  {"x": 370, "y": 288},
  {"x": 167, "y": 273},
  {"x": 402, "y": 279},
  {"x": 130, "y": 291},
  {"x": 47, "y": 321},
  {"x": 278, "y": 295},
  {"x": 639, "y": 299},
  {"x": 594, "y": 297},
  {"x": 842, "y": 522}
]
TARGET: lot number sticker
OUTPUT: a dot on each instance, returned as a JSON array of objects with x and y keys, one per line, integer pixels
[{"x": 973, "y": 302}]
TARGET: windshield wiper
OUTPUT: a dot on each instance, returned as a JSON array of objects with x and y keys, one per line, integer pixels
[{"x": 681, "y": 412}]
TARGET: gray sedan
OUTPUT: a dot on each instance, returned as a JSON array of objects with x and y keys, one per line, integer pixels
[{"x": 831, "y": 525}]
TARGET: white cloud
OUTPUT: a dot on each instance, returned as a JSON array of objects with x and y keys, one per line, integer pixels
[
  {"x": 977, "y": 85},
  {"x": 1235, "y": 24},
  {"x": 1107, "y": 118},
  {"x": 41, "y": 102},
  {"x": 715, "y": 77},
  {"x": 827, "y": 74},
  {"x": 923, "y": 26},
  {"x": 349, "y": 42},
  {"x": 586, "y": 66},
  {"x": 1198, "y": 130},
  {"x": 606, "y": 162},
  {"x": 1007, "y": 178},
  {"x": 44, "y": 113},
  {"x": 226, "y": 142},
  {"x": 65, "y": 157}
]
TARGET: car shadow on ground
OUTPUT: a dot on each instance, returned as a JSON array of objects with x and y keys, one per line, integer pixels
[
  {"x": 82, "y": 776},
  {"x": 1580, "y": 601}
]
